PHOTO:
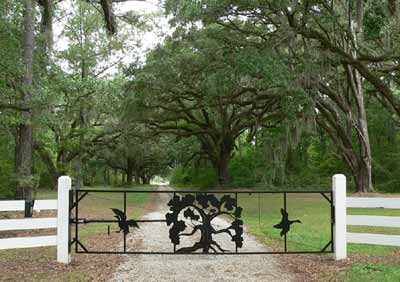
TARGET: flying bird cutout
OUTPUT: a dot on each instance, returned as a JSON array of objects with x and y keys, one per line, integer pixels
[
  {"x": 124, "y": 224},
  {"x": 285, "y": 223}
]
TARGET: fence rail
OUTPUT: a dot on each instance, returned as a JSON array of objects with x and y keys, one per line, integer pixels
[
  {"x": 28, "y": 242},
  {"x": 28, "y": 223},
  {"x": 371, "y": 220},
  {"x": 19, "y": 205},
  {"x": 60, "y": 223},
  {"x": 386, "y": 203},
  {"x": 374, "y": 239},
  {"x": 342, "y": 220}
]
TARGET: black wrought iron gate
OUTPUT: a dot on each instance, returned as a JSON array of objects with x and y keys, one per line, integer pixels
[{"x": 192, "y": 213}]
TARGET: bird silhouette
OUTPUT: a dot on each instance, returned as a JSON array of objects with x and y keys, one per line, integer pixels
[
  {"x": 285, "y": 223},
  {"x": 124, "y": 224}
]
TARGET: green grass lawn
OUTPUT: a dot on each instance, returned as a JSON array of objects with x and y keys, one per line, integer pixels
[{"x": 373, "y": 272}]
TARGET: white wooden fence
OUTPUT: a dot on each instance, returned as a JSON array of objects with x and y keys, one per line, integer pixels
[
  {"x": 342, "y": 220},
  {"x": 61, "y": 223}
]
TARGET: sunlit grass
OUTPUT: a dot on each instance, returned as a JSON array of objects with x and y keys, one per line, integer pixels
[{"x": 373, "y": 272}]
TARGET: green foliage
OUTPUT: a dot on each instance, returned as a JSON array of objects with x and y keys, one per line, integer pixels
[
  {"x": 7, "y": 175},
  {"x": 200, "y": 177},
  {"x": 243, "y": 169}
]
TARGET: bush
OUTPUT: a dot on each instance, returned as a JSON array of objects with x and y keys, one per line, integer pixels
[
  {"x": 200, "y": 177},
  {"x": 243, "y": 171}
]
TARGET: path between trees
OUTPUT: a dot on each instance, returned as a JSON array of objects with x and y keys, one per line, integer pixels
[{"x": 154, "y": 236}]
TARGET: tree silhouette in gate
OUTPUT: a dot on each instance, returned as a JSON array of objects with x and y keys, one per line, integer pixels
[{"x": 200, "y": 211}]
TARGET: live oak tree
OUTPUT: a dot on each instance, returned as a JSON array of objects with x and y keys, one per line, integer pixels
[
  {"x": 23, "y": 74},
  {"x": 83, "y": 98},
  {"x": 369, "y": 28},
  {"x": 139, "y": 154},
  {"x": 61, "y": 139},
  {"x": 331, "y": 65},
  {"x": 199, "y": 85},
  {"x": 332, "y": 29}
]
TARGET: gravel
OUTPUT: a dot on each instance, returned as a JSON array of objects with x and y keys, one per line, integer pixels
[{"x": 154, "y": 237}]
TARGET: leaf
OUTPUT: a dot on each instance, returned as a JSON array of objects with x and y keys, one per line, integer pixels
[
  {"x": 238, "y": 212},
  {"x": 230, "y": 202},
  {"x": 189, "y": 213},
  {"x": 202, "y": 200}
]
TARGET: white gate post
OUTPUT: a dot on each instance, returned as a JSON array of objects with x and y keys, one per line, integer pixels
[
  {"x": 64, "y": 186},
  {"x": 340, "y": 231}
]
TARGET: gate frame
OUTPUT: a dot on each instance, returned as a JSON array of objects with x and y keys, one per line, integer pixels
[{"x": 335, "y": 231}]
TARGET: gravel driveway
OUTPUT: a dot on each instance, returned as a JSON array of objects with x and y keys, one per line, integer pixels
[{"x": 160, "y": 268}]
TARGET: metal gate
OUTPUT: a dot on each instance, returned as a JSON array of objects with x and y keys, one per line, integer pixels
[{"x": 193, "y": 213}]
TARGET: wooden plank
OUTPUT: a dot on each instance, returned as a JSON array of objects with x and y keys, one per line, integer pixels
[
  {"x": 28, "y": 242},
  {"x": 45, "y": 205},
  {"x": 19, "y": 205},
  {"x": 387, "y": 203},
  {"x": 63, "y": 214},
  {"x": 373, "y": 239},
  {"x": 369, "y": 220},
  {"x": 12, "y": 205},
  {"x": 340, "y": 227},
  {"x": 28, "y": 223}
]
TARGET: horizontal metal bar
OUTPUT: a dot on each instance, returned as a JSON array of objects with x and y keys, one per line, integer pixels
[
  {"x": 83, "y": 221},
  {"x": 203, "y": 192},
  {"x": 218, "y": 254}
]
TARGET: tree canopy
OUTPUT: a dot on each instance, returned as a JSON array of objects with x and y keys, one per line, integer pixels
[{"x": 237, "y": 93}]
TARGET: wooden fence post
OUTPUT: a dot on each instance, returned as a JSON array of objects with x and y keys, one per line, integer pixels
[
  {"x": 64, "y": 186},
  {"x": 340, "y": 231}
]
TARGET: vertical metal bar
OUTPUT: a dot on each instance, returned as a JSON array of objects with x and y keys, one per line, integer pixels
[
  {"x": 76, "y": 220},
  {"x": 236, "y": 199},
  {"x": 173, "y": 195},
  {"x": 71, "y": 201},
  {"x": 332, "y": 222},
  {"x": 259, "y": 211},
  {"x": 284, "y": 207},
  {"x": 125, "y": 217}
]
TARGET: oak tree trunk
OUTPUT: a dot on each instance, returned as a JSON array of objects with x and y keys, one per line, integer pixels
[
  {"x": 364, "y": 175},
  {"x": 106, "y": 175},
  {"x": 25, "y": 137},
  {"x": 223, "y": 169},
  {"x": 129, "y": 171},
  {"x": 221, "y": 161}
]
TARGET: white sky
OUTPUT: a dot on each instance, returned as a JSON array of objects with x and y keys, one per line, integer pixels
[{"x": 148, "y": 39}]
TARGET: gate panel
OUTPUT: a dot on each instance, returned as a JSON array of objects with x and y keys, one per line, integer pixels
[{"x": 208, "y": 222}]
